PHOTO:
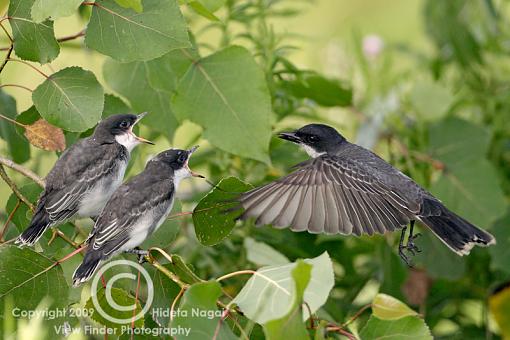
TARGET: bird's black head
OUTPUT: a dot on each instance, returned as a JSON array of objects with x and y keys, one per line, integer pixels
[
  {"x": 120, "y": 127},
  {"x": 177, "y": 160},
  {"x": 316, "y": 139}
]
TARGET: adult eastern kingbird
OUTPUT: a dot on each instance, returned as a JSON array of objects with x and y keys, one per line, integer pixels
[
  {"x": 135, "y": 210},
  {"x": 347, "y": 189},
  {"x": 85, "y": 176}
]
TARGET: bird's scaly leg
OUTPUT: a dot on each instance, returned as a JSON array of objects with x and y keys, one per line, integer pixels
[
  {"x": 140, "y": 253},
  {"x": 409, "y": 246}
]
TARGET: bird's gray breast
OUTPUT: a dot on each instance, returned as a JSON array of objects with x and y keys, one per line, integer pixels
[{"x": 97, "y": 196}]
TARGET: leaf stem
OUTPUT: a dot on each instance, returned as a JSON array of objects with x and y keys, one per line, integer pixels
[
  {"x": 9, "y": 218},
  {"x": 15, "y": 189},
  {"x": 29, "y": 65},
  {"x": 22, "y": 170},
  {"x": 16, "y": 85},
  {"x": 12, "y": 120},
  {"x": 7, "y": 57},
  {"x": 6, "y": 33}
]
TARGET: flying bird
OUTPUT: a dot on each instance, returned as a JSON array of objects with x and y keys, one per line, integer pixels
[
  {"x": 135, "y": 211},
  {"x": 85, "y": 176},
  {"x": 347, "y": 189}
]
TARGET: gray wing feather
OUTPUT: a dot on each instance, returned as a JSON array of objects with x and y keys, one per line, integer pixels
[{"x": 329, "y": 195}]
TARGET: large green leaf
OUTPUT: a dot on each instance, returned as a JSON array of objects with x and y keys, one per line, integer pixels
[
  {"x": 71, "y": 99},
  {"x": 262, "y": 254},
  {"x": 120, "y": 297},
  {"x": 198, "y": 313},
  {"x": 269, "y": 294},
  {"x": 323, "y": 91},
  {"x": 134, "y": 4},
  {"x": 148, "y": 86},
  {"x": 24, "y": 279},
  {"x": 212, "y": 221},
  {"x": 226, "y": 93},
  {"x": 500, "y": 252},
  {"x": 431, "y": 100},
  {"x": 126, "y": 35},
  {"x": 410, "y": 327},
  {"x": 291, "y": 326},
  {"x": 18, "y": 146},
  {"x": 386, "y": 307},
  {"x": 53, "y": 9},
  {"x": 32, "y": 41},
  {"x": 165, "y": 291}
]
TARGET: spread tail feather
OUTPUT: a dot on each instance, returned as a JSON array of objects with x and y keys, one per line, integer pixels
[
  {"x": 39, "y": 224},
  {"x": 86, "y": 269},
  {"x": 457, "y": 233}
]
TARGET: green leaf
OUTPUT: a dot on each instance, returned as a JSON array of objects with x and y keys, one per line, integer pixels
[
  {"x": 500, "y": 252},
  {"x": 53, "y": 9},
  {"x": 200, "y": 9},
  {"x": 291, "y": 326},
  {"x": 198, "y": 313},
  {"x": 210, "y": 217},
  {"x": 499, "y": 305},
  {"x": 410, "y": 327},
  {"x": 148, "y": 86},
  {"x": 17, "y": 145},
  {"x": 263, "y": 255},
  {"x": 25, "y": 278},
  {"x": 451, "y": 266},
  {"x": 431, "y": 100},
  {"x": 126, "y": 35},
  {"x": 71, "y": 99},
  {"x": 323, "y": 91},
  {"x": 386, "y": 307},
  {"x": 227, "y": 92},
  {"x": 165, "y": 291},
  {"x": 269, "y": 294},
  {"x": 120, "y": 297},
  {"x": 32, "y": 41},
  {"x": 134, "y": 4},
  {"x": 185, "y": 273},
  {"x": 455, "y": 141}
]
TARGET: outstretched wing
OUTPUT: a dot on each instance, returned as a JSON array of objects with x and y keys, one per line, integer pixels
[{"x": 329, "y": 195}]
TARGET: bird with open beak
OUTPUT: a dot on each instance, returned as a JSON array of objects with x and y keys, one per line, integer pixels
[
  {"x": 135, "y": 211},
  {"x": 85, "y": 176}
]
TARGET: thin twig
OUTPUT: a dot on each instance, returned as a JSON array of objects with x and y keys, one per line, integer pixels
[
  {"x": 15, "y": 189},
  {"x": 172, "y": 308},
  {"x": 7, "y": 57},
  {"x": 31, "y": 66},
  {"x": 62, "y": 39},
  {"x": 16, "y": 85},
  {"x": 22, "y": 170},
  {"x": 9, "y": 218},
  {"x": 134, "y": 310},
  {"x": 12, "y": 120},
  {"x": 6, "y": 33}
]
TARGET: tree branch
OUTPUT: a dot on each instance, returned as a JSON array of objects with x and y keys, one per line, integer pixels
[
  {"x": 62, "y": 39},
  {"x": 22, "y": 170},
  {"x": 15, "y": 189}
]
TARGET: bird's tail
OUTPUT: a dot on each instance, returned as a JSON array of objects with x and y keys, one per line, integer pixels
[
  {"x": 39, "y": 224},
  {"x": 457, "y": 233},
  {"x": 86, "y": 269}
]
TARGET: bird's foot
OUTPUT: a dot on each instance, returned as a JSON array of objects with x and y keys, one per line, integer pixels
[
  {"x": 411, "y": 248},
  {"x": 404, "y": 257},
  {"x": 140, "y": 253}
]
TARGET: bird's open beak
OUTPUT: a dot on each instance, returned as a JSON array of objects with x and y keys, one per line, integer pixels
[
  {"x": 190, "y": 152},
  {"x": 290, "y": 136},
  {"x": 143, "y": 140}
]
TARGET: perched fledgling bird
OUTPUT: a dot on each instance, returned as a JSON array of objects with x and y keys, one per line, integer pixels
[
  {"x": 85, "y": 176},
  {"x": 346, "y": 189},
  {"x": 135, "y": 210}
]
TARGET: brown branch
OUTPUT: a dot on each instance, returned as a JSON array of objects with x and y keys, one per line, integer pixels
[
  {"x": 15, "y": 189},
  {"x": 29, "y": 65},
  {"x": 9, "y": 218},
  {"x": 6, "y": 33},
  {"x": 16, "y": 85},
  {"x": 8, "y": 56},
  {"x": 22, "y": 170}
]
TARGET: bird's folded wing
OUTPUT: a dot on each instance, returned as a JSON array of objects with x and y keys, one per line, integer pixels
[
  {"x": 64, "y": 203},
  {"x": 328, "y": 195}
]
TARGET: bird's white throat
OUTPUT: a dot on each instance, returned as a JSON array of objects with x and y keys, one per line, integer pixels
[
  {"x": 128, "y": 140},
  {"x": 181, "y": 174},
  {"x": 311, "y": 151}
]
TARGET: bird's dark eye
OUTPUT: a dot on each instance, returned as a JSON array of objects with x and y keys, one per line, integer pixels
[
  {"x": 124, "y": 124},
  {"x": 181, "y": 158},
  {"x": 312, "y": 138}
]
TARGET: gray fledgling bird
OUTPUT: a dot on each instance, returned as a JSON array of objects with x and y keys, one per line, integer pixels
[
  {"x": 346, "y": 189},
  {"x": 135, "y": 210},
  {"x": 85, "y": 176}
]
